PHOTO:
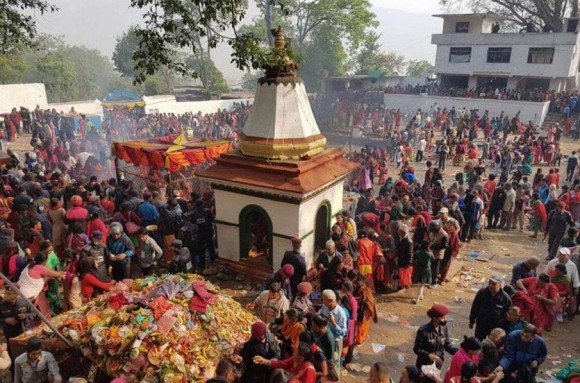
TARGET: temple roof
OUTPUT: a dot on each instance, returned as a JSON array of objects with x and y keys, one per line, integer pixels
[{"x": 300, "y": 177}]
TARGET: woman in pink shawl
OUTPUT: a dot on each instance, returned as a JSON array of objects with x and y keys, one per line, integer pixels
[{"x": 468, "y": 352}]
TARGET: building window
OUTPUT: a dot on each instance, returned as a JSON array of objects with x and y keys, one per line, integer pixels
[
  {"x": 460, "y": 55},
  {"x": 499, "y": 55},
  {"x": 462, "y": 27},
  {"x": 541, "y": 56}
]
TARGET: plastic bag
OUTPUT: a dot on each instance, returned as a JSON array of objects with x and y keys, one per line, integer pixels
[
  {"x": 572, "y": 369},
  {"x": 431, "y": 370}
]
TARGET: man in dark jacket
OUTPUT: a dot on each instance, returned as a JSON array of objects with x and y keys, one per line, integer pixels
[
  {"x": 262, "y": 343},
  {"x": 295, "y": 258},
  {"x": 204, "y": 220},
  {"x": 489, "y": 307},
  {"x": 556, "y": 226},
  {"x": 496, "y": 206}
]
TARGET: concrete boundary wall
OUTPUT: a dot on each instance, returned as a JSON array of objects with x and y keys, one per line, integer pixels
[
  {"x": 81, "y": 107},
  {"x": 168, "y": 104},
  {"x": 529, "y": 111},
  {"x": 17, "y": 95}
]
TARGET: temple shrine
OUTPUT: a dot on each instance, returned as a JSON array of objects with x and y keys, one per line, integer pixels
[{"x": 283, "y": 182}]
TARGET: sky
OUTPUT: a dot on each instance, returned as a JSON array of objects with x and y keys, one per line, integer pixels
[{"x": 97, "y": 23}]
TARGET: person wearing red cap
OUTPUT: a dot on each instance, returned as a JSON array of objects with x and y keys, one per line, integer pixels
[
  {"x": 432, "y": 339},
  {"x": 282, "y": 277},
  {"x": 262, "y": 344},
  {"x": 302, "y": 301},
  {"x": 556, "y": 226},
  {"x": 295, "y": 258}
]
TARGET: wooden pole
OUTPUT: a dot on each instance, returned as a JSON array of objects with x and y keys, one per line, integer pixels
[{"x": 36, "y": 311}]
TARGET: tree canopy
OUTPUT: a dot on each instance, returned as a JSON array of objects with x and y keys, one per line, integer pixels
[
  {"x": 418, "y": 68},
  {"x": 542, "y": 13},
  {"x": 18, "y": 22}
]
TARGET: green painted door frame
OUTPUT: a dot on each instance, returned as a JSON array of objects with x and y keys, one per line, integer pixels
[{"x": 246, "y": 233}]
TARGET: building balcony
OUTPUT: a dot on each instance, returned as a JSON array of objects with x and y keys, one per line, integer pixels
[{"x": 505, "y": 39}]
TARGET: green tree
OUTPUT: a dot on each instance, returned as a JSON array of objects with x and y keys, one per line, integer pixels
[
  {"x": 325, "y": 56},
  {"x": 126, "y": 45},
  {"x": 59, "y": 77},
  {"x": 212, "y": 79},
  {"x": 348, "y": 18},
  {"x": 518, "y": 12},
  {"x": 12, "y": 68},
  {"x": 370, "y": 57},
  {"x": 418, "y": 68},
  {"x": 18, "y": 22},
  {"x": 250, "y": 80}
]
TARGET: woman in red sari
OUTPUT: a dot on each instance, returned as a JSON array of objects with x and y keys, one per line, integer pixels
[{"x": 546, "y": 299}]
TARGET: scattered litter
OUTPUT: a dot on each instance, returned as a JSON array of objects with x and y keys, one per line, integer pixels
[
  {"x": 450, "y": 319},
  {"x": 472, "y": 254},
  {"x": 392, "y": 318},
  {"x": 401, "y": 358},
  {"x": 459, "y": 300},
  {"x": 410, "y": 327},
  {"x": 556, "y": 362},
  {"x": 377, "y": 347},
  {"x": 366, "y": 369}
]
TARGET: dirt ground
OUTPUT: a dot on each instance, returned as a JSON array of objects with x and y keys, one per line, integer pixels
[{"x": 399, "y": 319}]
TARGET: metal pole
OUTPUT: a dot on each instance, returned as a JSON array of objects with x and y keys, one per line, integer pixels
[{"x": 35, "y": 310}]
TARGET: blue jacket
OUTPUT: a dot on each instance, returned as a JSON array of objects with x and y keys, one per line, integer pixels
[
  {"x": 518, "y": 354},
  {"x": 121, "y": 245}
]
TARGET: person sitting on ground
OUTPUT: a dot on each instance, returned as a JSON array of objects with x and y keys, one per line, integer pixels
[
  {"x": 36, "y": 365},
  {"x": 524, "y": 352}
]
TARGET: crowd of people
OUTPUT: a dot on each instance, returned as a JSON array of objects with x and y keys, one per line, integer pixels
[{"x": 68, "y": 233}]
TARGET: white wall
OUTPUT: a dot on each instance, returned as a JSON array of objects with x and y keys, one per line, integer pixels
[
  {"x": 284, "y": 218},
  {"x": 565, "y": 62},
  {"x": 81, "y": 107},
  {"x": 287, "y": 219},
  {"x": 308, "y": 212},
  {"x": 17, "y": 95},
  {"x": 477, "y": 24},
  {"x": 168, "y": 104},
  {"x": 534, "y": 111}
]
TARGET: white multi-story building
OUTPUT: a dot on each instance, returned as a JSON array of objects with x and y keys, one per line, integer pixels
[{"x": 472, "y": 53}]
